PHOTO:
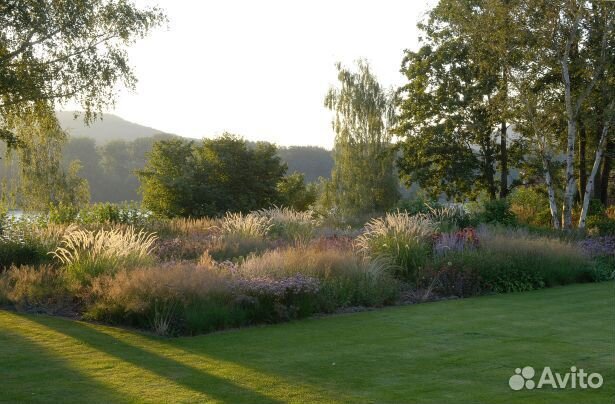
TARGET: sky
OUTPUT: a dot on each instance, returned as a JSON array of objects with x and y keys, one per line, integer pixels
[{"x": 261, "y": 69}]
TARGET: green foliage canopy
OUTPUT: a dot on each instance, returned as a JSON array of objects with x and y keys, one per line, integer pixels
[
  {"x": 65, "y": 50},
  {"x": 363, "y": 177},
  {"x": 208, "y": 178}
]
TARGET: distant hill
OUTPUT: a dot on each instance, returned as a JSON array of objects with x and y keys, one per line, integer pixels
[
  {"x": 312, "y": 161},
  {"x": 111, "y": 149},
  {"x": 110, "y": 128}
]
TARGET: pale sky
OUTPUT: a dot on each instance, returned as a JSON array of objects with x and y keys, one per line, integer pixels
[{"x": 261, "y": 69}]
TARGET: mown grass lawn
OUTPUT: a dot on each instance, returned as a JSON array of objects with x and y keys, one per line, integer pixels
[{"x": 460, "y": 351}]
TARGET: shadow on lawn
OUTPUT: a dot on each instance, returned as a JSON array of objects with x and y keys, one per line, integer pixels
[
  {"x": 185, "y": 375},
  {"x": 35, "y": 384}
]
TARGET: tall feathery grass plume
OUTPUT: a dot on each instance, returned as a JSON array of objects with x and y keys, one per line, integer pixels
[{"x": 86, "y": 254}]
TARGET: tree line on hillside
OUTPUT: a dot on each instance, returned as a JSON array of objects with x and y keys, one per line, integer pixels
[{"x": 111, "y": 169}]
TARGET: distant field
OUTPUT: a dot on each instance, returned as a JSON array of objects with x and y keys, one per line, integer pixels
[{"x": 461, "y": 351}]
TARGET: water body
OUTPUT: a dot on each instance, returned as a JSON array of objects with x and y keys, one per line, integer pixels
[{"x": 15, "y": 214}]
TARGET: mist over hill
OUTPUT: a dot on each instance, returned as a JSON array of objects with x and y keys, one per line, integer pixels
[
  {"x": 110, "y": 127},
  {"x": 111, "y": 149}
]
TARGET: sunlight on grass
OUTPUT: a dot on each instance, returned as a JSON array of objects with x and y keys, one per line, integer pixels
[
  {"x": 135, "y": 382},
  {"x": 272, "y": 386},
  {"x": 116, "y": 358},
  {"x": 453, "y": 351}
]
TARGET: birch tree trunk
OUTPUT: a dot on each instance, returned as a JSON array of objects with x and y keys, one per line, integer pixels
[
  {"x": 574, "y": 106},
  {"x": 551, "y": 193},
  {"x": 503, "y": 161},
  {"x": 582, "y": 157},
  {"x": 592, "y": 175},
  {"x": 571, "y": 113},
  {"x": 570, "y": 180}
]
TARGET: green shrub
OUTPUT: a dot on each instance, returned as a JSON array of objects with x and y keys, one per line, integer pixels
[
  {"x": 596, "y": 207},
  {"x": 414, "y": 206},
  {"x": 112, "y": 213},
  {"x": 293, "y": 192},
  {"x": 511, "y": 263},
  {"x": 530, "y": 206},
  {"x": 604, "y": 268},
  {"x": 601, "y": 225},
  {"x": 403, "y": 239},
  {"x": 22, "y": 252},
  {"x": 496, "y": 211},
  {"x": 63, "y": 213},
  {"x": 101, "y": 213}
]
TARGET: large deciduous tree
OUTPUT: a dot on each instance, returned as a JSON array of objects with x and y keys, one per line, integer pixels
[
  {"x": 65, "y": 50},
  {"x": 456, "y": 102},
  {"x": 208, "y": 178},
  {"x": 571, "y": 43},
  {"x": 363, "y": 177},
  {"x": 54, "y": 52},
  {"x": 530, "y": 64}
]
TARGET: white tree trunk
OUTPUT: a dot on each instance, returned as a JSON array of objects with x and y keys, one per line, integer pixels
[
  {"x": 590, "y": 181},
  {"x": 570, "y": 179},
  {"x": 551, "y": 193},
  {"x": 572, "y": 132}
]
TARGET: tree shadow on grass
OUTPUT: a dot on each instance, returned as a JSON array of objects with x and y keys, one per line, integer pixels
[
  {"x": 30, "y": 373},
  {"x": 216, "y": 387}
]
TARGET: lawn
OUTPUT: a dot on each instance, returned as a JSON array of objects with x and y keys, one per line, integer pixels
[{"x": 456, "y": 351}]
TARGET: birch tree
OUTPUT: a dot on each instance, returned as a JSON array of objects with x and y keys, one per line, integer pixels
[
  {"x": 576, "y": 93},
  {"x": 543, "y": 136},
  {"x": 561, "y": 54},
  {"x": 363, "y": 177},
  {"x": 56, "y": 51}
]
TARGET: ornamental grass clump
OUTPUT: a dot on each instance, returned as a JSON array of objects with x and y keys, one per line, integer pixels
[
  {"x": 87, "y": 254},
  {"x": 251, "y": 225},
  {"x": 27, "y": 242},
  {"x": 187, "y": 298},
  {"x": 38, "y": 289},
  {"x": 345, "y": 279},
  {"x": 291, "y": 225},
  {"x": 168, "y": 299},
  {"x": 449, "y": 218},
  {"x": 178, "y": 226},
  {"x": 240, "y": 235},
  {"x": 403, "y": 239}
]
